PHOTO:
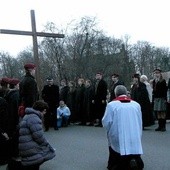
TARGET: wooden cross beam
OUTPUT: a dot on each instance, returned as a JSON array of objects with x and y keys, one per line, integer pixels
[
  {"x": 34, "y": 34},
  {"x": 40, "y": 34}
]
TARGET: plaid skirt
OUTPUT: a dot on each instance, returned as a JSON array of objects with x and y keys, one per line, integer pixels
[{"x": 160, "y": 104}]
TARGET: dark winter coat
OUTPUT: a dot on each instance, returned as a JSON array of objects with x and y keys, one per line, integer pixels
[
  {"x": 79, "y": 101},
  {"x": 71, "y": 97},
  {"x": 12, "y": 99},
  {"x": 100, "y": 95},
  {"x": 88, "y": 97},
  {"x": 101, "y": 91},
  {"x": 3, "y": 115},
  {"x": 113, "y": 86},
  {"x": 28, "y": 90},
  {"x": 160, "y": 89},
  {"x": 50, "y": 94},
  {"x": 139, "y": 94},
  {"x": 4, "y": 144},
  {"x": 33, "y": 146},
  {"x": 63, "y": 93}
]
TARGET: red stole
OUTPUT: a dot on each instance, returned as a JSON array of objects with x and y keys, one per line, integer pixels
[{"x": 124, "y": 99}]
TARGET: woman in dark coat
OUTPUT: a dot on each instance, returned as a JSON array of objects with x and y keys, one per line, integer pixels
[
  {"x": 159, "y": 98},
  {"x": 139, "y": 94},
  {"x": 71, "y": 96},
  {"x": 79, "y": 100},
  {"x": 63, "y": 91},
  {"x": 88, "y": 105}
]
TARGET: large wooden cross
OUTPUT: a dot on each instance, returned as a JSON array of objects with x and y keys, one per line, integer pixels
[{"x": 34, "y": 34}]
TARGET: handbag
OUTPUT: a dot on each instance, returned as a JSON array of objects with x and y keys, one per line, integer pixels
[{"x": 21, "y": 110}]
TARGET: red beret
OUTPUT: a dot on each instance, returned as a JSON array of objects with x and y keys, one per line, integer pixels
[
  {"x": 14, "y": 81},
  {"x": 29, "y": 66},
  {"x": 5, "y": 80}
]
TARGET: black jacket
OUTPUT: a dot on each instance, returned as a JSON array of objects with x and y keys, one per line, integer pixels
[
  {"x": 12, "y": 99},
  {"x": 28, "y": 90},
  {"x": 63, "y": 93},
  {"x": 3, "y": 115},
  {"x": 113, "y": 86},
  {"x": 101, "y": 91},
  {"x": 50, "y": 94},
  {"x": 159, "y": 89}
]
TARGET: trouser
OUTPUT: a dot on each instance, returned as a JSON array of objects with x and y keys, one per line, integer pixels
[
  {"x": 99, "y": 111},
  {"x": 4, "y": 151},
  {"x": 47, "y": 119},
  {"x": 65, "y": 120},
  {"x": 50, "y": 117},
  {"x": 118, "y": 162}
]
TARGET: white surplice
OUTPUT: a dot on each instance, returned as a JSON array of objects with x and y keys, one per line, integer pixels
[{"x": 123, "y": 122}]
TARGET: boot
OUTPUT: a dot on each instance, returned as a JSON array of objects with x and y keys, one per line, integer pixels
[
  {"x": 163, "y": 129},
  {"x": 159, "y": 125},
  {"x": 133, "y": 165}
]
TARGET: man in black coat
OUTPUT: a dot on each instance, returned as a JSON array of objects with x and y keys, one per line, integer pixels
[
  {"x": 115, "y": 82},
  {"x": 100, "y": 98},
  {"x": 28, "y": 87},
  {"x": 50, "y": 94}
]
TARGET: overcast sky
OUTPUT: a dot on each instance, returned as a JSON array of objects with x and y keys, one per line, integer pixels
[{"x": 146, "y": 20}]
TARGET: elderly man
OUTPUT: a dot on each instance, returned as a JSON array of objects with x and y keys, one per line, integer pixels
[{"x": 123, "y": 122}]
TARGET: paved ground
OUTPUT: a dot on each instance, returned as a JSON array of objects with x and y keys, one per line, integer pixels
[{"x": 85, "y": 148}]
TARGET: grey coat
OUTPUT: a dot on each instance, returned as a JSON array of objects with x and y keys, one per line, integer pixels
[{"x": 33, "y": 147}]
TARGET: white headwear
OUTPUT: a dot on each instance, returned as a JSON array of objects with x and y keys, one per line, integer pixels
[{"x": 144, "y": 77}]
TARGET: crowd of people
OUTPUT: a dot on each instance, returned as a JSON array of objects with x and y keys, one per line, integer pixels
[{"x": 80, "y": 103}]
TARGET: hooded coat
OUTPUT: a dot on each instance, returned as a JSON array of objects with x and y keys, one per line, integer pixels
[{"x": 33, "y": 146}]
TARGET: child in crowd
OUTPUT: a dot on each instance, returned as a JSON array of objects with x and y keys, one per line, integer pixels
[{"x": 63, "y": 114}]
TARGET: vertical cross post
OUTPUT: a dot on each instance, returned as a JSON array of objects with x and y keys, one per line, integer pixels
[
  {"x": 35, "y": 48},
  {"x": 34, "y": 34}
]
